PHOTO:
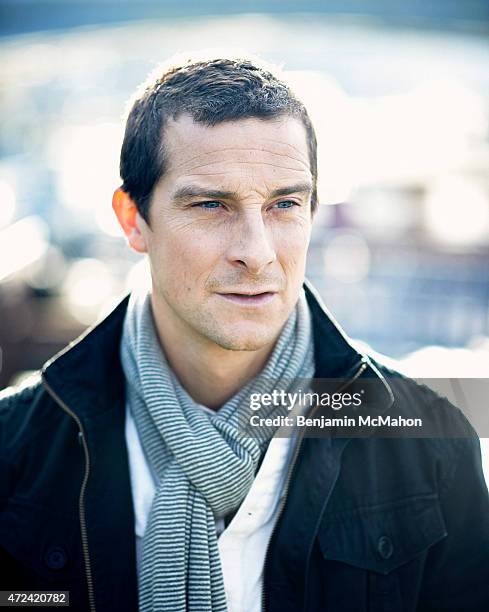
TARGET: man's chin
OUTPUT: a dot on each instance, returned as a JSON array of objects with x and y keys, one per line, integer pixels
[
  {"x": 246, "y": 340},
  {"x": 248, "y": 344}
]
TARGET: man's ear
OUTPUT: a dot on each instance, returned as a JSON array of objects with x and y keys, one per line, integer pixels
[{"x": 130, "y": 220}]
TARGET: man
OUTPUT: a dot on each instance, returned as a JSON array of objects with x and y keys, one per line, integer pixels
[{"x": 125, "y": 478}]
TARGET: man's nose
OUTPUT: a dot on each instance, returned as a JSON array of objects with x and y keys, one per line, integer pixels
[{"x": 251, "y": 246}]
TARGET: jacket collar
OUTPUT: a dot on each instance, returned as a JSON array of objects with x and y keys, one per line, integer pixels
[{"x": 87, "y": 375}]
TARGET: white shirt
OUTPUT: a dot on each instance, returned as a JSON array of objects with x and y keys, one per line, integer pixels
[{"x": 243, "y": 544}]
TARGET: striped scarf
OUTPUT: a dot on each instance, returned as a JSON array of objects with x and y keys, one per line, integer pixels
[{"x": 204, "y": 464}]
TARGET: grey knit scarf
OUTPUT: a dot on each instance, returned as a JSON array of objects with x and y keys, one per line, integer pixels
[{"x": 204, "y": 464}]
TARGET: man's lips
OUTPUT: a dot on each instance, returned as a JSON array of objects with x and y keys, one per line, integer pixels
[
  {"x": 246, "y": 292},
  {"x": 255, "y": 298}
]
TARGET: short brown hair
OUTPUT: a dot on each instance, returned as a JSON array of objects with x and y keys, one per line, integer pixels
[{"x": 211, "y": 92}]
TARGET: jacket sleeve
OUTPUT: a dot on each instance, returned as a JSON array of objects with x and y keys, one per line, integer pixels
[
  {"x": 15, "y": 404},
  {"x": 457, "y": 568},
  {"x": 5, "y": 464}
]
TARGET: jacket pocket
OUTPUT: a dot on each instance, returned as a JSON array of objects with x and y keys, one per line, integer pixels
[{"x": 388, "y": 543}]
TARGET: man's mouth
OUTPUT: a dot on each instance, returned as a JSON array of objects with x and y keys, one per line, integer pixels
[{"x": 249, "y": 299}]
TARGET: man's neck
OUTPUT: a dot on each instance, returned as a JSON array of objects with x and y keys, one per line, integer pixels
[{"x": 209, "y": 373}]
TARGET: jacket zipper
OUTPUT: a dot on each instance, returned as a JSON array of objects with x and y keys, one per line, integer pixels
[
  {"x": 81, "y": 502},
  {"x": 298, "y": 445}
]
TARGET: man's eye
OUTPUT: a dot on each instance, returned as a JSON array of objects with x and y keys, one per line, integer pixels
[
  {"x": 207, "y": 205},
  {"x": 286, "y": 204}
]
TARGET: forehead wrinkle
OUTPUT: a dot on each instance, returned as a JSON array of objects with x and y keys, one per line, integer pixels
[
  {"x": 246, "y": 148},
  {"x": 255, "y": 164},
  {"x": 299, "y": 158},
  {"x": 230, "y": 165},
  {"x": 253, "y": 149},
  {"x": 287, "y": 145}
]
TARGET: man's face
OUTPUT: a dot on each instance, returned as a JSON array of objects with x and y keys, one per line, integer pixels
[{"x": 230, "y": 224}]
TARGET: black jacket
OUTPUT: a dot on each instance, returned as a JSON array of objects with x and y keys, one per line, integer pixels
[{"x": 369, "y": 524}]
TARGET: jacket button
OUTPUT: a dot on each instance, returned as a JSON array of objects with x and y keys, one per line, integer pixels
[
  {"x": 385, "y": 547},
  {"x": 55, "y": 558}
]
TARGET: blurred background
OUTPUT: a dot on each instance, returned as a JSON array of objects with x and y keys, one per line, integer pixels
[{"x": 399, "y": 94}]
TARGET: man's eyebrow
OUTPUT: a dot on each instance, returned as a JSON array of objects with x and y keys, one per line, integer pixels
[
  {"x": 187, "y": 192},
  {"x": 190, "y": 191},
  {"x": 299, "y": 188}
]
